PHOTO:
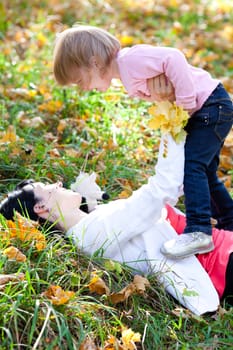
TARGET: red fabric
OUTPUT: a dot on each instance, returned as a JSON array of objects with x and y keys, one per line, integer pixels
[
  {"x": 214, "y": 262},
  {"x": 176, "y": 220}
]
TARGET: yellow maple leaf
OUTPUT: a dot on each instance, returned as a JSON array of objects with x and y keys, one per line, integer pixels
[
  {"x": 112, "y": 343},
  {"x": 51, "y": 106},
  {"x": 26, "y": 230},
  {"x": 10, "y": 136},
  {"x": 169, "y": 118},
  {"x": 125, "y": 193},
  {"x": 41, "y": 39},
  {"x": 4, "y": 235},
  {"x": 14, "y": 253},
  {"x": 62, "y": 126},
  {"x": 57, "y": 295},
  {"x": 126, "y": 40},
  {"x": 129, "y": 338}
]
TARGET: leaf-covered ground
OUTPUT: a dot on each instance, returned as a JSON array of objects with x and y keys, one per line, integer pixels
[{"x": 60, "y": 299}]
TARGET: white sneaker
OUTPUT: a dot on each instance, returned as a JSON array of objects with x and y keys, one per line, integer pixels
[{"x": 187, "y": 244}]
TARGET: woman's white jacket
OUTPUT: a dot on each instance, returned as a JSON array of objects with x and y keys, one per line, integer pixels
[{"x": 132, "y": 231}]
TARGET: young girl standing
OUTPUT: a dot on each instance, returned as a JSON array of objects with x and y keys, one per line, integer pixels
[{"x": 91, "y": 57}]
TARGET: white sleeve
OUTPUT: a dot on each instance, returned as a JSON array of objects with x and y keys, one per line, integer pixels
[
  {"x": 145, "y": 205},
  {"x": 112, "y": 225},
  {"x": 169, "y": 170}
]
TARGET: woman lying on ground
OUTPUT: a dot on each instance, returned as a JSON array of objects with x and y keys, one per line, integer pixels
[{"x": 132, "y": 230}]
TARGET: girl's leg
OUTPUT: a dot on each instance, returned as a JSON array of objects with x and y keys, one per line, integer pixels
[
  {"x": 206, "y": 131},
  {"x": 221, "y": 201}
]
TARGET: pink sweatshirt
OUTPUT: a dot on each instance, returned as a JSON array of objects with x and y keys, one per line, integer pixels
[
  {"x": 214, "y": 262},
  {"x": 138, "y": 63}
]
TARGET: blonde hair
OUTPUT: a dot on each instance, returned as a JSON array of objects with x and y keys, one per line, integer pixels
[{"x": 75, "y": 47}]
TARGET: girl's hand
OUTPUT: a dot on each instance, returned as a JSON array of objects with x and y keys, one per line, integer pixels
[{"x": 160, "y": 88}]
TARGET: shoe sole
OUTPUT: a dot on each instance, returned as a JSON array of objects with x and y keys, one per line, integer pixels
[{"x": 197, "y": 251}]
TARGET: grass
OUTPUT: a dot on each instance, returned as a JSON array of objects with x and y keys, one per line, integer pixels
[
  {"x": 30, "y": 321},
  {"x": 54, "y": 133}
]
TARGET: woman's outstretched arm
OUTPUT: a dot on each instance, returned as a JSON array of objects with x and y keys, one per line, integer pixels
[{"x": 111, "y": 225}]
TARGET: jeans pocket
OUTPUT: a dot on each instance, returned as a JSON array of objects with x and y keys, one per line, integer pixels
[
  {"x": 224, "y": 122},
  {"x": 197, "y": 121}
]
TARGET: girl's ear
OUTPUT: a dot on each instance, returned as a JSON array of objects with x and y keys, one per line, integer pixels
[{"x": 94, "y": 62}]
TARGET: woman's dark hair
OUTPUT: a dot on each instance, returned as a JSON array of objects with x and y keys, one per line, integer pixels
[
  {"x": 19, "y": 200},
  {"x": 24, "y": 183},
  {"x": 23, "y": 202}
]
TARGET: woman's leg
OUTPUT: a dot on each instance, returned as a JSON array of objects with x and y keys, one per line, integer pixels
[{"x": 228, "y": 291}]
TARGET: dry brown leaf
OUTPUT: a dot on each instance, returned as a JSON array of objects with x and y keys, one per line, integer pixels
[
  {"x": 227, "y": 180},
  {"x": 111, "y": 144},
  {"x": 227, "y": 82},
  {"x": 127, "y": 188},
  {"x": 62, "y": 126},
  {"x": 222, "y": 311},
  {"x": 97, "y": 285},
  {"x": 54, "y": 153},
  {"x": 138, "y": 286},
  {"x": 213, "y": 222},
  {"x": 112, "y": 343},
  {"x": 123, "y": 295},
  {"x": 57, "y": 295},
  {"x": 227, "y": 147},
  {"x": 88, "y": 344},
  {"x": 71, "y": 152},
  {"x": 35, "y": 122},
  {"x": 4, "y": 279},
  {"x": 225, "y": 162},
  {"x": 21, "y": 93},
  {"x": 180, "y": 312},
  {"x": 187, "y": 314},
  {"x": 140, "y": 283}
]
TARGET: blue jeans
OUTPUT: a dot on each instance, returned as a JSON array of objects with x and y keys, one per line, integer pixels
[{"x": 205, "y": 195}]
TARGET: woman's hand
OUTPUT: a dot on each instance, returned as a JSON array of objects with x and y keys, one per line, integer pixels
[{"x": 160, "y": 88}]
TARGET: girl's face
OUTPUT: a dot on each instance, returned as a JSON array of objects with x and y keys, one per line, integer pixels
[
  {"x": 94, "y": 79},
  {"x": 99, "y": 81},
  {"x": 55, "y": 198}
]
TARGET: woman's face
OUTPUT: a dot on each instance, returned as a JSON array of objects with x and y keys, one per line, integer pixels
[{"x": 54, "y": 197}]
